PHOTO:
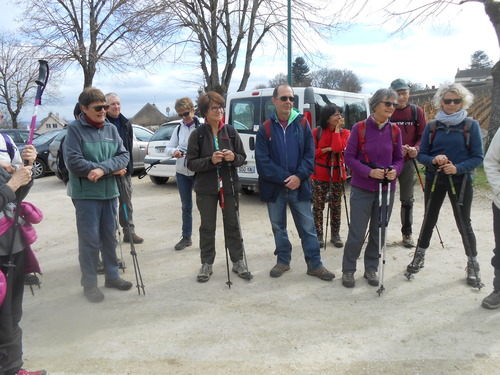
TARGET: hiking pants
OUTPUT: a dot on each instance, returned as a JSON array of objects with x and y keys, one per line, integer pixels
[
  {"x": 126, "y": 199},
  {"x": 406, "y": 188}
]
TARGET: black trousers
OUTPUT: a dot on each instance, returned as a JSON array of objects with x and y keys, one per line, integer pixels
[
  {"x": 442, "y": 188},
  {"x": 11, "y": 351}
]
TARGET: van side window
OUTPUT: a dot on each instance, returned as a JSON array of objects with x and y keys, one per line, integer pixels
[
  {"x": 355, "y": 110},
  {"x": 244, "y": 114}
]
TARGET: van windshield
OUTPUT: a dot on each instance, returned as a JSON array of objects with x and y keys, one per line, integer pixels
[{"x": 354, "y": 109}]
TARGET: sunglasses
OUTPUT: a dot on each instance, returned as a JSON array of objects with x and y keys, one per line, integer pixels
[
  {"x": 448, "y": 101},
  {"x": 99, "y": 108},
  {"x": 388, "y": 104},
  {"x": 217, "y": 109},
  {"x": 285, "y": 98},
  {"x": 185, "y": 114}
]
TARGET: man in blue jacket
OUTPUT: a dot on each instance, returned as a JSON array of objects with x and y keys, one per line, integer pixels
[{"x": 284, "y": 155}]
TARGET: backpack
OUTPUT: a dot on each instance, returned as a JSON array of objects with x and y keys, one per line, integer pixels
[
  {"x": 267, "y": 127},
  {"x": 11, "y": 150},
  {"x": 362, "y": 137},
  {"x": 433, "y": 128},
  {"x": 61, "y": 165}
]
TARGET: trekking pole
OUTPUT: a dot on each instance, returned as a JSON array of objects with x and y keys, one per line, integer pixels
[
  {"x": 237, "y": 210},
  {"x": 222, "y": 207},
  {"x": 343, "y": 191},
  {"x": 137, "y": 269},
  {"x": 462, "y": 228},
  {"x": 43, "y": 77},
  {"x": 121, "y": 264},
  {"x": 328, "y": 200},
  {"x": 383, "y": 251},
  {"x": 408, "y": 274},
  {"x": 423, "y": 189}
]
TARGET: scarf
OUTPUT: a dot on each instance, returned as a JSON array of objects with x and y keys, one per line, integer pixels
[
  {"x": 94, "y": 124},
  {"x": 453, "y": 119}
]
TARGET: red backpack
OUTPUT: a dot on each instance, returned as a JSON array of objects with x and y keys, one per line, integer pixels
[
  {"x": 267, "y": 127},
  {"x": 362, "y": 137}
]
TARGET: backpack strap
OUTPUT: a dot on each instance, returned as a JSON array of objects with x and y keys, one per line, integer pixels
[
  {"x": 414, "y": 116},
  {"x": 231, "y": 132},
  {"x": 362, "y": 137},
  {"x": 434, "y": 127}
]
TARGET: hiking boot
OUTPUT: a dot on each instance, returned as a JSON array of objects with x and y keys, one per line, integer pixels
[
  {"x": 416, "y": 263},
  {"x": 183, "y": 243},
  {"x": 279, "y": 269},
  {"x": 321, "y": 273},
  {"x": 26, "y": 372},
  {"x": 408, "y": 241},
  {"x": 135, "y": 238},
  {"x": 31, "y": 279},
  {"x": 348, "y": 279},
  {"x": 336, "y": 241},
  {"x": 93, "y": 294},
  {"x": 205, "y": 272},
  {"x": 100, "y": 267},
  {"x": 371, "y": 277},
  {"x": 472, "y": 271},
  {"x": 492, "y": 301},
  {"x": 118, "y": 283},
  {"x": 241, "y": 269}
]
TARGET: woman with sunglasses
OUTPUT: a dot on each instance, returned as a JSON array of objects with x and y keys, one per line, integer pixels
[
  {"x": 451, "y": 146},
  {"x": 94, "y": 154},
  {"x": 330, "y": 141},
  {"x": 214, "y": 152},
  {"x": 374, "y": 154},
  {"x": 177, "y": 147}
]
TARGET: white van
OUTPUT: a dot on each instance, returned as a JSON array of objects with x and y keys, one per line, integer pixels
[{"x": 246, "y": 110}]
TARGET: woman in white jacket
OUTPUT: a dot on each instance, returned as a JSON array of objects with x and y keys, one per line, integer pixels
[
  {"x": 492, "y": 169},
  {"x": 176, "y": 148}
]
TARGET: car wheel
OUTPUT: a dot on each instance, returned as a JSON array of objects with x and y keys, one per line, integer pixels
[
  {"x": 159, "y": 180},
  {"x": 38, "y": 168},
  {"x": 247, "y": 191}
]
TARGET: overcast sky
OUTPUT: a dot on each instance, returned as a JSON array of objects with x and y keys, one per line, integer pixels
[{"x": 427, "y": 54}]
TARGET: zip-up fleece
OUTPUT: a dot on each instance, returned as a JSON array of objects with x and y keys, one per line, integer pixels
[
  {"x": 290, "y": 151},
  {"x": 86, "y": 148}
]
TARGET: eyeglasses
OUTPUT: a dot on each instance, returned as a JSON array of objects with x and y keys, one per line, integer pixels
[
  {"x": 448, "y": 101},
  {"x": 217, "y": 109},
  {"x": 285, "y": 98},
  {"x": 388, "y": 104},
  {"x": 185, "y": 114},
  {"x": 337, "y": 114},
  {"x": 99, "y": 108}
]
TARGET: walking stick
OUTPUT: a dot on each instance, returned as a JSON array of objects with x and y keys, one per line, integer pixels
[
  {"x": 409, "y": 272},
  {"x": 43, "y": 77},
  {"x": 236, "y": 208},
  {"x": 423, "y": 189},
  {"x": 328, "y": 201},
  {"x": 137, "y": 269},
  {"x": 462, "y": 228},
  {"x": 384, "y": 182},
  {"x": 222, "y": 206}
]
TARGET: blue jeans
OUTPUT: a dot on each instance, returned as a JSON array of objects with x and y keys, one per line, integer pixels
[
  {"x": 185, "y": 185},
  {"x": 304, "y": 222},
  {"x": 96, "y": 225}
]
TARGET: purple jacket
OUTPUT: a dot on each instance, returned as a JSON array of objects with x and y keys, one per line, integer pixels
[{"x": 380, "y": 150}]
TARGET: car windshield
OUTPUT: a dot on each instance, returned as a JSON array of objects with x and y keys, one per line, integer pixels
[
  {"x": 46, "y": 137},
  {"x": 164, "y": 133}
]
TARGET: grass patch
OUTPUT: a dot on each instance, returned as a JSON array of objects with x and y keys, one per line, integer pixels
[{"x": 480, "y": 180}]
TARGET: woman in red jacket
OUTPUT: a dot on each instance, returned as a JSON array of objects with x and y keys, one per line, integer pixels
[{"x": 330, "y": 141}]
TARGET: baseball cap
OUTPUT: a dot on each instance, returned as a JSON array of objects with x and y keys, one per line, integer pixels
[{"x": 399, "y": 84}]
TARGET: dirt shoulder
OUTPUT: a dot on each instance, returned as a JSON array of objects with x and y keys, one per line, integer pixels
[{"x": 296, "y": 324}]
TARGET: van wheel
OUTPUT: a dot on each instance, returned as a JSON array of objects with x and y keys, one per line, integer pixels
[
  {"x": 247, "y": 191},
  {"x": 159, "y": 180}
]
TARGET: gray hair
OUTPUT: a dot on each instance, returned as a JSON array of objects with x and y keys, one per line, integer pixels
[
  {"x": 380, "y": 95},
  {"x": 109, "y": 94},
  {"x": 456, "y": 88}
]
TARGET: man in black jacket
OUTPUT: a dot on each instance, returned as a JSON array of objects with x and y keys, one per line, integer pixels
[{"x": 124, "y": 127}]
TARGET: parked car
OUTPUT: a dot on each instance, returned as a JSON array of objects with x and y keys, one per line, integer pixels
[
  {"x": 141, "y": 139},
  {"x": 19, "y": 136},
  {"x": 160, "y": 173},
  {"x": 42, "y": 143}
]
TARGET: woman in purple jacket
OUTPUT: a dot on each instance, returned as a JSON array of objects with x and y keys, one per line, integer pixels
[{"x": 373, "y": 153}]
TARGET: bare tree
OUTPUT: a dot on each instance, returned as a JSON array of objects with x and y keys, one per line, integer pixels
[
  {"x": 422, "y": 12},
  {"x": 415, "y": 86},
  {"x": 279, "y": 79},
  {"x": 18, "y": 72},
  {"x": 219, "y": 29},
  {"x": 336, "y": 79},
  {"x": 113, "y": 34}
]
